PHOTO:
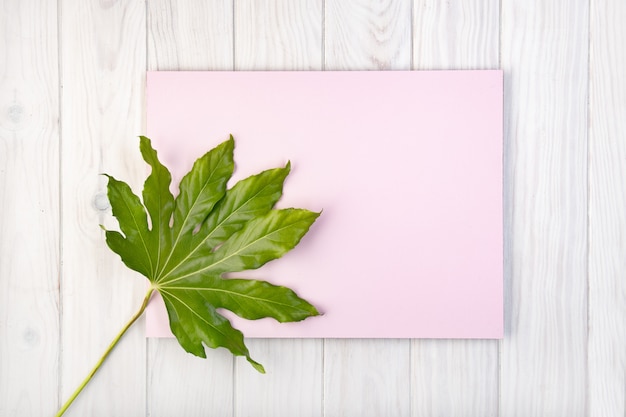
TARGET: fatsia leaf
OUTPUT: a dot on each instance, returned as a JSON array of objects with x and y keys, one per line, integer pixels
[
  {"x": 185, "y": 245},
  {"x": 158, "y": 200},
  {"x": 135, "y": 249}
]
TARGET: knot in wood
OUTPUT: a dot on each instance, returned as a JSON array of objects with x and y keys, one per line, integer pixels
[
  {"x": 15, "y": 113},
  {"x": 101, "y": 202},
  {"x": 30, "y": 337}
]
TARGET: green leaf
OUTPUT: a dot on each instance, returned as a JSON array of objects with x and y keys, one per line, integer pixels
[
  {"x": 247, "y": 298},
  {"x": 193, "y": 240},
  {"x": 131, "y": 216},
  {"x": 158, "y": 200},
  {"x": 249, "y": 198}
]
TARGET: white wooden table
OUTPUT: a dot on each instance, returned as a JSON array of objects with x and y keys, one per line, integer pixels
[{"x": 71, "y": 105}]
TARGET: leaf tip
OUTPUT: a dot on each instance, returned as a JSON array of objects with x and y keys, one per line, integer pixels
[
  {"x": 145, "y": 147},
  {"x": 256, "y": 365},
  {"x": 315, "y": 214},
  {"x": 230, "y": 143}
]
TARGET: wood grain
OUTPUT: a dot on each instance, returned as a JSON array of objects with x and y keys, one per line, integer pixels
[
  {"x": 192, "y": 36},
  {"x": 195, "y": 36},
  {"x": 367, "y": 35},
  {"x": 454, "y": 378},
  {"x": 462, "y": 34},
  {"x": 103, "y": 64},
  {"x": 543, "y": 356},
  {"x": 555, "y": 360},
  {"x": 607, "y": 211},
  {"x": 29, "y": 208},
  {"x": 278, "y": 35},
  {"x": 448, "y": 36},
  {"x": 292, "y": 385},
  {"x": 180, "y": 384},
  {"x": 367, "y": 377}
]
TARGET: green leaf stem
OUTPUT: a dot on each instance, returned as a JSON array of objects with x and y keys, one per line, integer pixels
[{"x": 185, "y": 245}]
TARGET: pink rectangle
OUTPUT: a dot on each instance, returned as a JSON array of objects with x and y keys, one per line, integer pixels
[{"x": 407, "y": 168}]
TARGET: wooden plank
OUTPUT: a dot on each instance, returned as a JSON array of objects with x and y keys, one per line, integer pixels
[
  {"x": 366, "y": 35},
  {"x": 461, "y": 35},
  {"x": 29, "y": 207},
  {"x": 543, "y": 355},
  {"x": 292, "y": 385},
  {"x": 367, "y": 376},
  {"x": 279, "y": 36},
  {"x": 454, "y": 378},
  {"x": 180, "y": 384},
  {"x": 189, "y": 36},
  {"x": 103, "y": 64},
  {"x": 455, "y": 35},
  {"x": 607, "y": 214}
]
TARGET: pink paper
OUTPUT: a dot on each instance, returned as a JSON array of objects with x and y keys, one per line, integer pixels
[{"x": 407, "y": 168}]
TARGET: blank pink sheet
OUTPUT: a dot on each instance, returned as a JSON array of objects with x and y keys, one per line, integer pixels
[{"x": 407, "y": 168}]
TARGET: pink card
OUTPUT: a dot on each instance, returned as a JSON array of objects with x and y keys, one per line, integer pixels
[{"x": 407, "y": 168}]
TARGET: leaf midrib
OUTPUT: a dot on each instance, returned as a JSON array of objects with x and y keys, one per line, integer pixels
[
  {"x": 182, "y": 227},
  {"x": 225, "y": 258},
  {"x": 138, "y": 228},
  {"x": 193, "y": 312},
  {"x": 233, "y": 293},
  {"x": 208, "y": 236},
  {"x": 161, "y": 210}
]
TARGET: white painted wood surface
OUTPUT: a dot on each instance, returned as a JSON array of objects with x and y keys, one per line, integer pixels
[
  {"x": 71, "y": 104},
  {"x": 459, "y": 35},
  {"x": 196, "y": 37},
  {"x": 29, "y": 208},
  {"x": 544, "y": 53},
  {"x": 102, "y": 72},
  {"x": 279, "y": 36},
  {"x": 367, "y": 377},
  {"x": 606, "y": 343}
]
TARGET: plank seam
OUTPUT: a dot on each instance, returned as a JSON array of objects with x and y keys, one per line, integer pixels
[
  {"x": 233, "y": 408},
  {"x": 60, "y": 196},
  {"x": 506, "y": 248},
  {"x": 145, "y": 125},
  {"x": 499, "y": 396},
  {"x": 412, "y": 41},
  {"x": 588, "y": 208},
  {"x": 410, "y": 379},
  {"x": 323, "y": 35},
  {"x": 234, "y": 37},
  {"x": 147, "y": 16},
  {"x": 234, "y": 371},
  {"x": 323, "y": 377},
  {"x": 500, "y": 35}
]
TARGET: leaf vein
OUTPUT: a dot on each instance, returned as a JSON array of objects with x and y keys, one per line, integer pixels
[
  {"x": 193, "y": 312},
  {"x": 180, "y": 231},
  {"x": 225, "y": 258},
  {"x": 234, "y": 295},
  {"x": 143, "y": 242},
  {"x": 210, "y": 234}
]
